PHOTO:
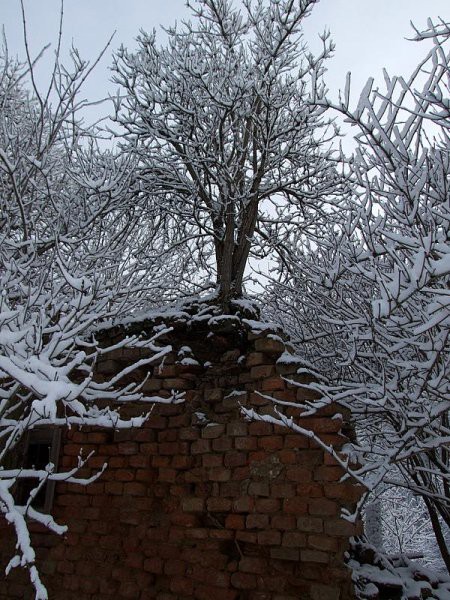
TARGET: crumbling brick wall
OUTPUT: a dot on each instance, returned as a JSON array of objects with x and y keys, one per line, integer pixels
[{"x": 200, "y": 503}]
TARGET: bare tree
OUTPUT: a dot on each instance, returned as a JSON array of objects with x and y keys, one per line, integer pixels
[
  {"x": 227, "y": 131},
  {"x": 367, "y": 299}
]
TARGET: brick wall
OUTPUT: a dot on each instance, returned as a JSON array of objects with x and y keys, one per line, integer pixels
[{"x": 200, "y": 503}]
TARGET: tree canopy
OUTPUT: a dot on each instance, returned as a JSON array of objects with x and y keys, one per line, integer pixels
[{"x": 227, "y": 129}]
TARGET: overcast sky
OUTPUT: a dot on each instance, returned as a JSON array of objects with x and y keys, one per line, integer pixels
[{"x": 369, "y": 34}]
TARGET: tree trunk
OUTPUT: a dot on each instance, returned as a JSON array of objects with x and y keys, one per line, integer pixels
[{"x": 438, "y": 532}]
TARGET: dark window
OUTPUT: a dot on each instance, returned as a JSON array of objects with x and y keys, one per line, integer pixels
[{"x": 41, "y": 447}]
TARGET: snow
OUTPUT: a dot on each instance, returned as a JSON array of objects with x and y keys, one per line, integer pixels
[{"x": 384, "y": 576}]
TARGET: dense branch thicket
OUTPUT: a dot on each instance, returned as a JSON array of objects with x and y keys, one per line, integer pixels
[
  {"x": 66, "y": 266},
  {"x": 369, "y": 301}
]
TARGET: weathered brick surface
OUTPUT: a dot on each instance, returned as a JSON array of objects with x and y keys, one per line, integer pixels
[{"x": 200, "y": 503}]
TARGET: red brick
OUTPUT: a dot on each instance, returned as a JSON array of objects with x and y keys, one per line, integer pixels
[
  {"x": 271, "y": 443},
  {"x": 298, "y": 474},
  {"x": 262, "y": 371},
  {"x": 272, "y": 384},
  {"x": 310, "y": 458},
  {"x": 212, "y": 460},
  {"x": 296, "y": 441},
  {"x": 260, "y": 428},
  {"x": 283, "y": 522},
  {"x": 169, "y": 448},
  {"x": 193, "y": 504},
  {"x": 182, "y": 586},
  {"x": 230, "y": 489},
  {"x": 328, "y": 473},
  {"x": 269, "y": 346},
  {"x": 256, "y": 521},
  {"x": 196, "y": 533},
  {"x": 167, "y": 435},
  {"x": 287, "y": 395},
  {"x": 219, "y": 474},
  {"x": 243, "y": 581},
  {"x": 144, "y": 435},
  {"x": 174, "y": 567},
  {"x": 177, "y": 384},
  {"x": 213, "y": 395},
  {"x": 267, "y": 505},
  {"x": 214, "y": 577},
  {"x": 169, "y": 475},
  {"x": 218, "y": 504},
  {"x": 257, "y": 456},
  {"x": 222, "y": 444},
  {"x": 124, "y": 474},
  {"x": 343, "y": 491},
  {"x": 259, "y": 488},
  {"x": 245, "y": 443},
  {"x": 323, "y": 542},
  {"x": 329, "y": 460},
  {"x": 238, "y": 428},
  {"x": 114, "y": 488},
  {"x": 321, "y": 425},
  {"x": 201, "y": 447},
  {"x": 315, "y": 556},
  {"x": 135, "y": 489},
  {"x": 285, "y": 554},
  {"x": 157, "y": 422},
  {"x": 97, "y": 437},
  {"x": 287, "y": 456},
  {"x": 270, "y": 537},
  {"x": 235, "y": 459},
  {"x": 182, "y": 519},
  {"x": 255, "y": 358},
  {"x": 182, "y": 462},
  {"x": 194, "y": 475},
  {"x": 274, "y": 583},
  {"x": 189, "y": 433},
  {"x": 339, "y": 527},
  {"x": 243, "y": 504},
  {"x": 309, "y": 490},
  {"x": 258, "y": 400},
  {"x": 95, "y": 489},
  {"x": 206, "y": 592},
  {"x": 323, "y": 506},
  {"x": 134, "y": 561},
  {"x": 139, "y": 461},
  {"x": 325, "y": 592},
  {"x": 213, "y": 431},
  {"x": 282, "y": 490},
  {"x": 249, "y": 537},
  {"x": 221, "y": 534},
  {"x": 251, "y": 564},
  {"x": 235, "y": 522},
  {"x": 297, "y": 506},
  {"x": 294, "y": 539},
  {"x": 128, "y": 448},
  {"x": 73, "y": 449},
  {"x": 241, "y": 473},
  {"x": 97, "y": 462},
  {"x": 177, "y": 421},
  {"x": 150, "y": 449},
  {"x": 310, "y": 524},
  {"x": 177, "y": 534}
]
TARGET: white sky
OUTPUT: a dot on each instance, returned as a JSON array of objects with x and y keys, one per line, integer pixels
[{"x": 369, "y": 34}]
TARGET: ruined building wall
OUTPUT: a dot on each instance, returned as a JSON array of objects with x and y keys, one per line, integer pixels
[{"x": 200, "y": 503}]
